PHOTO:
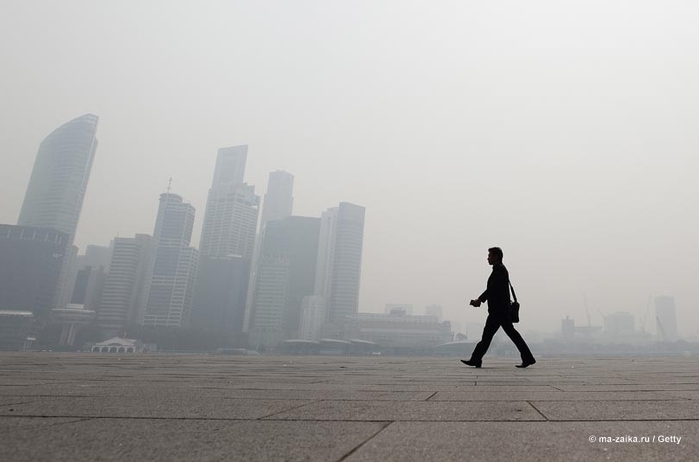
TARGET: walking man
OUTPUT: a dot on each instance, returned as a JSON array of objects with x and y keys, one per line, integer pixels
[{"x": 497, "y": 294}]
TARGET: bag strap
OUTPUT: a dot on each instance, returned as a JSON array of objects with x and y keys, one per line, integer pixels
[{"x": 513, "y": 290}]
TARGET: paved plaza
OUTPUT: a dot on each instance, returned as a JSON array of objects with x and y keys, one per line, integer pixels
[{"x": 139, "y": 407}]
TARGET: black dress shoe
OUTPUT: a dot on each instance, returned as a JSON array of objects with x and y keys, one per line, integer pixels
[
  {"x": 470, "y": 362},
  {"x": 526, "y": 364}
]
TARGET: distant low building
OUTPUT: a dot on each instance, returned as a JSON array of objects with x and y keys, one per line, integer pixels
[
  {"x": 403, "y": 331},
  {"x": 619, "y": 324},
  {"x": 71, "y": 318},
  {"x": 122, "y": 345}
]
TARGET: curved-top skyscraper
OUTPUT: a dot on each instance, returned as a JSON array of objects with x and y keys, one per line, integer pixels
[{"x": 57, "y": 186}]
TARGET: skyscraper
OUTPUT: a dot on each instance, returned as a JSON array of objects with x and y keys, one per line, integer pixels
[
  {"x": 174, "y": 266},
  {"x": 125, "y": 284},
  {"x": 56, "y": 189},
  {"x": 227, "y": 245},
  {"x": 230, "y": 166},
  {"x": 32, "y": 259},
  {"x": 279, "y": 199},
  {"x": 339, "y": 264},
  {"x": 666, "y": 318},
  {"x": 91, "y": 277},
  {"x": 278, "y": 205},
  {"x": 232, "y": 208},
  {"x": 286, "y": 274}
]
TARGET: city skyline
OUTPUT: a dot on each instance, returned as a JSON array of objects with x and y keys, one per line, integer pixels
[
  {"x": 240, "y": 153},
  {"x": 562, "y": 134}
]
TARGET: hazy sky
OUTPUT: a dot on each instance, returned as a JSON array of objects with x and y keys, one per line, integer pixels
[{"x": 564, "y": 132}]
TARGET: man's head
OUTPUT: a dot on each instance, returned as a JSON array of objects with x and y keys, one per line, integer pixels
[{"x": 494, "y": 255}]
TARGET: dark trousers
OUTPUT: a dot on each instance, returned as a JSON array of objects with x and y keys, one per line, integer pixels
[{"x": 492, "y": 324}]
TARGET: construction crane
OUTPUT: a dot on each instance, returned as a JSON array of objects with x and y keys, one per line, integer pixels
[
  {"x": 589, "y": 323},
  {"x": 645, "y": 317},
  {"x": 660, "y": 327}
]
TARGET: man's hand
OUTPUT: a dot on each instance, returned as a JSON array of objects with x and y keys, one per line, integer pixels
[{"x": 476, "y": 303}]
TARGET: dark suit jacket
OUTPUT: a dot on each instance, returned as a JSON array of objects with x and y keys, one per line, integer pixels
[{"x": 497, "y": 293}]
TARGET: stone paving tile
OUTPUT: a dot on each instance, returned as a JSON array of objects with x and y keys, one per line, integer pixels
[
  {"x": 618, "y": 410},
  {"x": 412, "y": 410},
  {"x": 179, "y": 440},
  {"x": 191, "y": 408},
  {"x": 530, "y": 441},
  {"x": 300, "y": 397}
]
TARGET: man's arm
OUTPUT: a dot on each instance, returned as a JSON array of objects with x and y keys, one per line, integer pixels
[
  {"x": 482, "y": 299},
  {"x": 484, "y": 296}
]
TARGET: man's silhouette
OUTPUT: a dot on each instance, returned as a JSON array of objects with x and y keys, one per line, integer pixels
[{"x": 497, "y": 294}]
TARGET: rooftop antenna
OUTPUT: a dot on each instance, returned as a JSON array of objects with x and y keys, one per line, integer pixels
[{"x": 169, "y": 185}]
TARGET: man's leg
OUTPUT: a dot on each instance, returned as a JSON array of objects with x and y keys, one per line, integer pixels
[
  {"x": 519, "y": 342},
  {"x": 491, "y": 326}
]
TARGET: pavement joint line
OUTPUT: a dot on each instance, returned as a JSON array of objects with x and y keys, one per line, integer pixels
[
  {"x": 299, "y": 419},
  {"x": 459, "y": 421},
  {"x": 17, "y": 404},
  {"x": 537, "y": 410},
  {"x": 362, "y": 444},
  {"x": 289, "y": 409},
  {"x": 103, "y": 417},
  {"x": 69, "y": 422},
  {"x": 53, "y": 396}
]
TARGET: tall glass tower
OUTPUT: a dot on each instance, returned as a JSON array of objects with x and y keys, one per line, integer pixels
[
  {"x": 56, "y": 189},
  {"x": 170, "y": 288},
  {"x": 339, "y": 264},
  {"x": 226, "y": 246},
  {"x": 279, "y": 199}
]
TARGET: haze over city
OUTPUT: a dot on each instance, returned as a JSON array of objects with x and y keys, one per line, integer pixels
[{"x": 564, "y": 134}]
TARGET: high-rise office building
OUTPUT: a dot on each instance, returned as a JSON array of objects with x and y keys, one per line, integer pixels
[
  {"x": 219, "y": 297},
  {"x": 230, "y": 166},
  {"x": 32, "y": 259},
  {"x": 279, "y": 199},
  {"x": 286, "y": 274},
  {"x": 91, "y": 277},
  {"x": 339, "y": 264},
  {"x": 232, "y": 209},
  {"x": 125, "y": 284},
  {"x": 278, "y": 205},
  {"x": 666, "y": 318},
  {"x": 56, "y": 189},
  {"x": 174, "y": 265},
  {"x": 227, "y": 245}
]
